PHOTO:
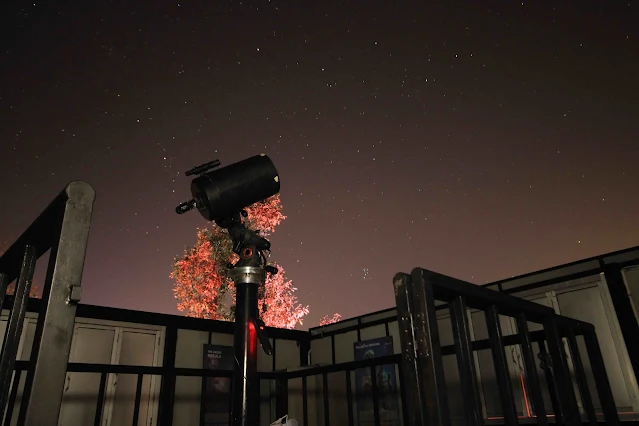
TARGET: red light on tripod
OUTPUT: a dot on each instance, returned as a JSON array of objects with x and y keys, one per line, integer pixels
[{"x": 252, "y": 338}]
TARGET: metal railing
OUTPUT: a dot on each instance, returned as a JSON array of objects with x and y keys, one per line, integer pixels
[
  {"x": 63, "y": 228},
  {"x": 280, "y": 398},
  {"x": 609, "y": 266},
  {"x": 349, "y": 392},
  {"x": 425, "y": 385}
]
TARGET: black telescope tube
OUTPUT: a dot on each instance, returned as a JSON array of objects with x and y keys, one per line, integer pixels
[{"x": 224, "y": 192}]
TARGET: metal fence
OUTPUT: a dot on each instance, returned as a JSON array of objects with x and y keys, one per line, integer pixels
[
  {"x": 610, "y": 267},
  {"x": 96, "y": 396},
  {"x": 62, "y": 229},
  {"x": 424, "y": 381},
  {"x": 283, "y": 397},
  {"x": 339, "y": 401}
]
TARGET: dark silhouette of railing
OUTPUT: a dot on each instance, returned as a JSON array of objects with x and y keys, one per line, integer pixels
[
  {"x": 62, "y": 228},
  {"x": 280, "y": 378},
  {"x": 424, "y": 381}
]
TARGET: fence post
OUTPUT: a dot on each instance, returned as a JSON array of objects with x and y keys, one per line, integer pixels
[
  {"x": 281, "y": 397},
  {"x": 465, "y": 362},
  {"x": 168, "y": 379},
  {"x": 495, "y": 336},
  {"x": 45, "y": 382},
  {"x": 624, "y": 311},
  {"x": 569, "y": 410},
  {"x": 530, "y": 369},
  {"x": 580, "y": 376},
  {"x": 423, "y": 379},
  {"x": 601, "y": 379}
]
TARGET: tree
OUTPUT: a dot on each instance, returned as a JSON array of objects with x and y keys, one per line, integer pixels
[
  {"x": 34, "y": 291},
  {"x": 204, "y": 289},
  {"x": 326, "y": 320}
]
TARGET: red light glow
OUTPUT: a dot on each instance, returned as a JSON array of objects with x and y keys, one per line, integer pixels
[{"x": 252, "y": 339}]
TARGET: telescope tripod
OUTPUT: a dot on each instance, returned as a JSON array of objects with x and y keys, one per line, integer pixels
[{"x": 248, "y": 273}]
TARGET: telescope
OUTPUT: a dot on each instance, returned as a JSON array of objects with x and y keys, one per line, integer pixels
[
  {"x": 221, "y": 196},
  {"x": 222, "y": 193}
]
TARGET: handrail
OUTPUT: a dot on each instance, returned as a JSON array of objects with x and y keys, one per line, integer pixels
[
  {"x": 422, "y": 353},
  {"x": 63, "y": 228}
]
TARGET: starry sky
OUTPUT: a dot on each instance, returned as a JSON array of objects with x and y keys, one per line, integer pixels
[{"x": 478, "y": 139}]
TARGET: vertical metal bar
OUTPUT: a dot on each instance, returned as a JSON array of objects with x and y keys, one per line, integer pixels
[
  {"x": 375, "y": 394},
  {"x": 561, "y": 373},
  {"x": 349, "y": 398},
  {"x": 274, "y": 354},
  {"x": 402, "y": 390},
  {"x": 204, "y": 401},
  {"x": 138, "y": 397},
  {"x": 284, "y": 397},
  {"x": 333, "y": 348},
  {"x": 305, "y": 347},
  {"x": 305, "y": 401},
  {"x": 167, "y": 380},
  {"x": 327, "y": 416},
  {"x": 580, "y": 376},
  {"x": 281, "y": 397},
  {"x": 258, "y": 397},
  {"x": 16, "y": 322},
  {"x": 465, "y": 362},
  {"x": 100, "y": 404},
  {"x": 45, "y": 382},
  {"x": 423, "y": 379},
  {"x": 501, "y": 366},
  {"x": 550, "y": 380},
  {"x": 4, "y": 283},
  {"x": 530, "y": 369},
  {"x": 12, "y": 397},
  {"x": 624, "y": 310},
  {"x": 169, "y": 421},
  {"x": 601, "y": 379}
]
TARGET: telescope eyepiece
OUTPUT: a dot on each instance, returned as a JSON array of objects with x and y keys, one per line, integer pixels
[{"x": 186, "y": 206}]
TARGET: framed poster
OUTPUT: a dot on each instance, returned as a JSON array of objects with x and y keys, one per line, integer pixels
[
  {"x": 216, "y": 391},
  {"x": 386, "y": 380}
]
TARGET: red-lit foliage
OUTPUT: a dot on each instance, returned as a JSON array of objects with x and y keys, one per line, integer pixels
[
  {"x": 326, "y": 320},
  {"x": 204, "y": 289}
]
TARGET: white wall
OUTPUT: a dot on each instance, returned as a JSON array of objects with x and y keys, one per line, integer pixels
[{"x": 104, "y": 342}]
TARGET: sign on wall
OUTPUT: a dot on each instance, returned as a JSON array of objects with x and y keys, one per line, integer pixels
[
  {"x": 385, "y": 380},
  {"x": 216, "y": 395}
]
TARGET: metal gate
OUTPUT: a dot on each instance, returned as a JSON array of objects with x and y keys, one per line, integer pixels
[{"x": 424, "y": 380}]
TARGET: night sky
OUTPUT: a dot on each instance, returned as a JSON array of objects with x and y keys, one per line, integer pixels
[{"x": 478, "y": 139}]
